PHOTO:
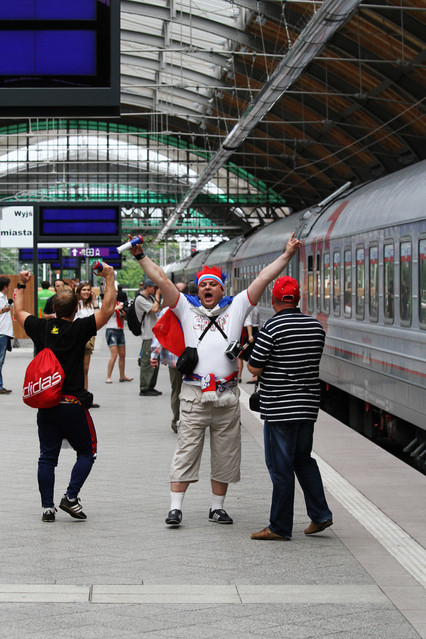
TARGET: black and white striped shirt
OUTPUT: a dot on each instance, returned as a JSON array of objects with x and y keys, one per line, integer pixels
[{"x": 288, "y": 349}]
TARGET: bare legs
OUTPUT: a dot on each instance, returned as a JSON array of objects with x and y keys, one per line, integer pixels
[{"x": 121, "y": 352}]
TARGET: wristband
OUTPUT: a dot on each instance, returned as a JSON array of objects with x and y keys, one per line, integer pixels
[
  {"x": 139, "y": 256},
  {"x": 19, "y": 285}
]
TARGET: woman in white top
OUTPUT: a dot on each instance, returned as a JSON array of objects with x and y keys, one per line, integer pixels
[{"x": 86, "y": 307}]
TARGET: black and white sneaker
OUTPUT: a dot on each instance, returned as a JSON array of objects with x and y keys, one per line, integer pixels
[
  {"x": 48, "y": 514},
  {"x": 174, "y": 518},
  {"x": 220, "y": 516},
  {"x": 73, "y": 507}
]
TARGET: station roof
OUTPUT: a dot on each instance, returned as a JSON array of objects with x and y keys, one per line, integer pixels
[{"x": 191, "y": 70}]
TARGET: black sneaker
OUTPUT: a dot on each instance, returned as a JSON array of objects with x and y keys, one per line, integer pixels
[
  {"x": 151, "y": 392},
  {"x": 72, "y": 507},
  {"x": 48, "y": 514},
  {"x": 220, "y": 516},
  {"x": 174, "y": 518}
]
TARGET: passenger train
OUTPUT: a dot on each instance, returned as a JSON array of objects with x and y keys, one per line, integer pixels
[{"x": 362, "y": 272}]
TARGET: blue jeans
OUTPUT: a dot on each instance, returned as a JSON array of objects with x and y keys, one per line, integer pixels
[
  {"x": 3, "y": 347},
  {"x": 73, "y": 422},
  {"x": 288, "y": 450}
]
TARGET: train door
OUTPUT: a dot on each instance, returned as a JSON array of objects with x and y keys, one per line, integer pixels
[
  {"x": 360, "y": 283},
  {"x": 326, "y": 281},
  {"x": 337, "y": 278},
  {"x": 318, "y": 282},
  {"x": 347, "y": 282},
  {"x": 373, "y": 279},
  {"x": 405, "y": 282},
  {"x": 388, "y": 282}
]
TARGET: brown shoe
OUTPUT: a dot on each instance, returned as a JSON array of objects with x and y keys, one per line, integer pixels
[
  {"x": 267, "y": 534},
  {"x": 4, "y": 391},
  {"x": 316, "y": 528}
]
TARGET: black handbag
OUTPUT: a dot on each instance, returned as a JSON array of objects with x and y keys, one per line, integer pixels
[
  {"x": 187, "y": 361},
  {"x": 254, "y": 400}
]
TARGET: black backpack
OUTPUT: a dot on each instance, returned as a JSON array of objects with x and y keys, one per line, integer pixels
[{"x": 132, "y": 321}]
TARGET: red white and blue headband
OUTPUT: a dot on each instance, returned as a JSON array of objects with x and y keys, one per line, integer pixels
[{"x": 211, "y": 274}]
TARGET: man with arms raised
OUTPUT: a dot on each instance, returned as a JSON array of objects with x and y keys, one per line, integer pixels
[
  {"x": 210, "y": 395},
  {"x": 70, "y": 418}
]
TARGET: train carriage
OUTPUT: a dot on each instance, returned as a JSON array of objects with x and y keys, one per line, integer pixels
[
  {"x": 362, "y": 271},
  {"x": 360, "y": 266}
]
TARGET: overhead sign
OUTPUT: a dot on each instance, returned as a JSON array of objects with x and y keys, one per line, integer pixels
[
  {"x": 87, "y": 222},
  {"x": 67, "y": 263},
  {"x": 61, "y": 57},
  {"x": 43, "y": 255},
  {"x": 91, "y": 252},
  {"x": 16, "y": 226}
]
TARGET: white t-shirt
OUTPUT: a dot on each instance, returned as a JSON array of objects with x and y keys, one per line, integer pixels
[
  {"x": 6, "y": 326},
  {"x": 253, "y": 318},
  {"x": 84, "y": 311},
  {"x": 113, "y": 320},
  {"x": 211, "y": 349}
]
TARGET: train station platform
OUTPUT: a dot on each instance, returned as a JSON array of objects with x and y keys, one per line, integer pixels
[{"x": 124, "y": 574}]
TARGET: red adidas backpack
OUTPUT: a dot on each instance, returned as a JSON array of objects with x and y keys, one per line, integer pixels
[{"x": 43, "y": 381}]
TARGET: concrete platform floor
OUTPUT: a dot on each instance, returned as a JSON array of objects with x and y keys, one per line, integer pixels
[{"x": 124, "y": 573}]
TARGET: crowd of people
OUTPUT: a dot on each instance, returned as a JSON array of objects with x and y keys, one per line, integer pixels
[{"x": 207, "y": 338}]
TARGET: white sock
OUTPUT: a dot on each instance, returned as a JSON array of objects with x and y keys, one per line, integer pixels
[
  {"x": 217, "y": 501},
  {"x": 176, "y": 500}
]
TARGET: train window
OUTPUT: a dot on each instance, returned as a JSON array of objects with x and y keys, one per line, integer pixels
[
  {"x": 405, "y": 283},
  {"x": 336, "y": 282},
  {"x": 422, "y": 281},
  {"x": 318, "y": 282},
  {"x": 360, "y": 283},
  {"x": 326, "y": 283},
  {"x": 388, "y": 283},
  {"x": 373, "y": 298},
  {"x": 348, "y": 283},
  {"x": 310, "y": 283}
]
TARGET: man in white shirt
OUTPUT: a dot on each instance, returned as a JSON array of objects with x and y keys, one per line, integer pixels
[
  {"x": 6, "y": 328},
  {"x": 147, "y": 305},
  {"x": 210, "y": 394}
]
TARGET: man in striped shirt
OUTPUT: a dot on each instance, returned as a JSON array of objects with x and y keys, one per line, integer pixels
[{"x": 286, "y": 356}]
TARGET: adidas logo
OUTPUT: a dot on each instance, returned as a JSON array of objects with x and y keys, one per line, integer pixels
[{"x": 42, "y": 384}]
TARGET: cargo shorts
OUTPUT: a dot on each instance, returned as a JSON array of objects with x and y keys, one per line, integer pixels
[{"x": 225, "y": 437}]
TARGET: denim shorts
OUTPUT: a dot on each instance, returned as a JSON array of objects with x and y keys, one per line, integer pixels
[{"x": 115, "y": 337}]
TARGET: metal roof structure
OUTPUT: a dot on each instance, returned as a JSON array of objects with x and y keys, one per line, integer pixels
[{"x": 191, "y": 71}]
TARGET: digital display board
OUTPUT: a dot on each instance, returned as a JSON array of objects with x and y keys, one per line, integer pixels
[
  {"x": 67, "y": 263},
  {"x": 60, "y": 53},
  {"x": 114, "y": 261},
  {"x": 79, "y": 223},
  {"x": 43, "y": 255}
]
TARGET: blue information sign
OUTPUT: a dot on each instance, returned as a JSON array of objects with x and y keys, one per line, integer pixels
[
  {"x": 68, "y": 263},
  {"x": 59, "y": 53},
  {"x": 79, "y": 223},
  {"x": 43, "y": 255}
]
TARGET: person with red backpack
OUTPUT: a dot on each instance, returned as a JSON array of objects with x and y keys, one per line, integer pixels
[{"x": 70, "y": 418}]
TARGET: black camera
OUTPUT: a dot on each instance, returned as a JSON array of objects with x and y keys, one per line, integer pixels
[{"x": 233, "y": 350}]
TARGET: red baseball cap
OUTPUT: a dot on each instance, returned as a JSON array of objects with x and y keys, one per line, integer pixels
[{"x": 286, "y": 287}]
